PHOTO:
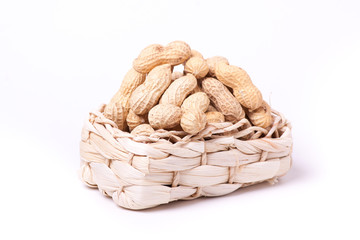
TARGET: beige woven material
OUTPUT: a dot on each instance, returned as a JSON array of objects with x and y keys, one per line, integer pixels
[{"x": 141, "y": 172}]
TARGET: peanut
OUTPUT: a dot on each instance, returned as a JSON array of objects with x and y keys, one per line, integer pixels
[
  {"x": 196, "y": 89},
  {"x": 178, "y": 90},
  {"x": 174, "y": 53},
  {"x": 211, "y": 108},
  {"x": 223, "y": 100},
  {"x": 143, "y": 130},
  {"x": 115, "y": 112},
  {"x": 119, "y": 105},
  {"x": 195, "y": 53},
  {"x": 261, "y": 116},
  {"x": 197, "y": 100},
  {"x": 152, "y": 92},
  {"x": 175, "y": 75},
  {"x": 215, "y": 117},
  {"x": 164, "y": 116},
  {"x": 133, "y": 120},
  {"x": 196, "y": 66},
  {"x": 243, "y": 89},
  {"x": 193, "y": 119},
  {"x": 211, "y": 62},
  {"x": 147, "y": 94}
]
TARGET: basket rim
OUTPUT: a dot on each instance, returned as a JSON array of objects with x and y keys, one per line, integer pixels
[{"x": 212, "y": 130}]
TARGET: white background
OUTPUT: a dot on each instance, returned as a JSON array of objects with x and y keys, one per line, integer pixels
[{"x": 61, "y": 59}]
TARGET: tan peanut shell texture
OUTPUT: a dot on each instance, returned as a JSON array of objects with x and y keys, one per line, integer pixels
[{"x": 169, "y": 135}]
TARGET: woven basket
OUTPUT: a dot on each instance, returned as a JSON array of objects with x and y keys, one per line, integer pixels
[{"x": 141, "y": 172}]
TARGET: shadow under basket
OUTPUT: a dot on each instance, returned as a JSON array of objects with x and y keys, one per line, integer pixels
[{"x": 141, "y": 172}]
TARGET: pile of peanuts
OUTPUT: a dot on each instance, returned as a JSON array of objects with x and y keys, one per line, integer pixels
[{"x": 154, "y": 96}]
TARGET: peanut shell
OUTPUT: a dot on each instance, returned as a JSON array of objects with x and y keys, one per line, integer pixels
[
  {"x": 133, "y": 120},
  {"x": 148, "y": 94},
  {"x": 164, "y": 116},
  {"x": 223, "y": 100},
  {"x": 211, "y": 62},
  {"x": 179, "y": 90},
  {"x": 143, "y": 130},
  {"x": 193, "y": 121},
  {"x": 196, "y": 66},
  {"x": 243, "y": 89},
  {"x": 261, "y": 116},
  {"x": 118, "y": 107},
  {"x": 215, "y": 117},
  {"x": 197, "y": 100},
  {"x": 154, "y": 55}
]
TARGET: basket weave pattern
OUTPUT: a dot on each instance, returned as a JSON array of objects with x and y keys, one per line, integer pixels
[{"x": 141, "y": 172}]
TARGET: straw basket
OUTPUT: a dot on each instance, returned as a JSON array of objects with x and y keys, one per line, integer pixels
[{"x": 141, "y": 172}]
